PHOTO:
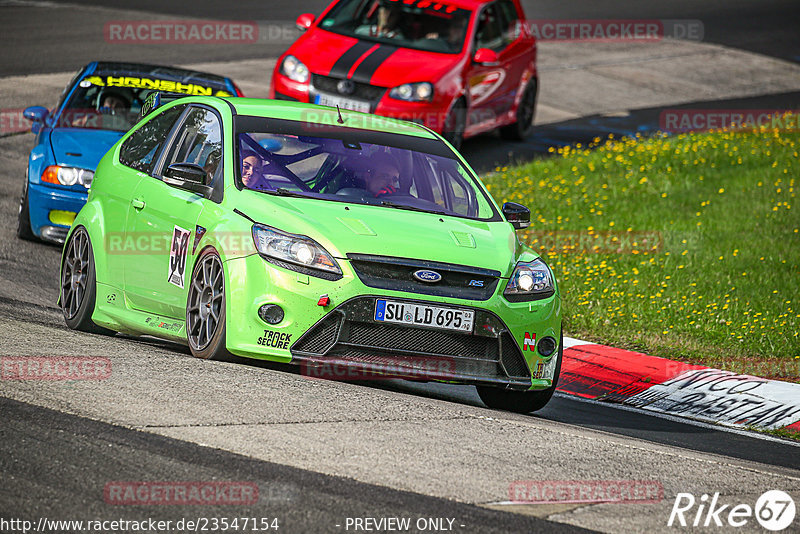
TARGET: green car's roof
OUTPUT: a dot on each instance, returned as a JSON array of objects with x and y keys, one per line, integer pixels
[{"x": 299, "y": 111}]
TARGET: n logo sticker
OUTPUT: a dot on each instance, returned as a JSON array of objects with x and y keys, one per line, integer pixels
[
  {"x": 177, "y": 256},
  {"x": 530, "y": 341}
]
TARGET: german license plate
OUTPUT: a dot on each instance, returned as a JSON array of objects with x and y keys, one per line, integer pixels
[
  {"x": 343, "y": 103},
  {"x": 390, "y": 311}
]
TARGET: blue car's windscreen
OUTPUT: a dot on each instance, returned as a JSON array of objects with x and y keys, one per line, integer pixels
[
  {"x": 359, "y": 170},
  {"x": 113, "y": 101}
]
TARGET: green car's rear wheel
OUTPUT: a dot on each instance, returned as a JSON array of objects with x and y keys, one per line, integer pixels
[
  {"x": 522, "y": 401},
  {"x": 205, "y": 309},
  {"x": 78, "y": 284}
]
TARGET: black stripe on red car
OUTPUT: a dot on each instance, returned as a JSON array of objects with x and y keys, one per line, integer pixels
[
  {"x": 349, "y": 58},
  {"x": 367, "y": 68}
]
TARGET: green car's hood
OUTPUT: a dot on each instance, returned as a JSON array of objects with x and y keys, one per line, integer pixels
[{"x": 344, "y": 228}]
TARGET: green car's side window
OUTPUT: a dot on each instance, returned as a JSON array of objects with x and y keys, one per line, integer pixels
[
  {"x": 139, "y": 151},
  {"x": 199, "y": 141}
]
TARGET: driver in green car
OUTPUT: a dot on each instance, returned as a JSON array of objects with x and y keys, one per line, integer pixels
[{"x": 384, "y": 178}]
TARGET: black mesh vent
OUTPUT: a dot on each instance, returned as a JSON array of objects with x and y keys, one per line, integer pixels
[
  {"x": 362, "y": 91},
  {"x": 321, "y": 337},
  {"x": 513, "y": 360},
  {"x": 422, "y": 340}
]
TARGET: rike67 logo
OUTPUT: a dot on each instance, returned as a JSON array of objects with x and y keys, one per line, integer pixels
[{"x": 774, "y": 510}]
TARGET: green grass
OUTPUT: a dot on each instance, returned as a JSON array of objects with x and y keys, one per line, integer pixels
[
  {"x": 685, "y": 247},
  {"x": 784, "y": 432}
]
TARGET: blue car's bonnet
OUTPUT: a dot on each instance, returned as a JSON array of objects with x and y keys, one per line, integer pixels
[{"x": 82, "y": 147}]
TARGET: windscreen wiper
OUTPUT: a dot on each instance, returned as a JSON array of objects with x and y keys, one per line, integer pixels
[
  {"x": 391, "y": 204},
  {"x": 283, "y": 192}
]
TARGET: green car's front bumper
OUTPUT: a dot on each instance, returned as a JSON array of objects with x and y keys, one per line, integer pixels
[{"x": 345, "y": 334}]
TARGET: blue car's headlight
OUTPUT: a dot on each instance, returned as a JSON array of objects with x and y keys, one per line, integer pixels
[
  {"x": 69, "y": 176},
  {"x": 531, "y": 280},
  {"x": 295, "y": 252}
]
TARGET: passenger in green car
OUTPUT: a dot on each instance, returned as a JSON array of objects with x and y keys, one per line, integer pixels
[{"x": 252, "y": 166}]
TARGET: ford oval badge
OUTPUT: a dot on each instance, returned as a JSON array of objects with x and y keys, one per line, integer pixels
[{"x": 425, "y": 275}]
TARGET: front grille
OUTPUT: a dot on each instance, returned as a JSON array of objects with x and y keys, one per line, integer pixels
[
  {"x": 350, "y": 334},
  {"x": 382, "y": 336},
  {"x": 362, "y": 91},
  {"x": 56, "y": 234},
  {"x": 513, "y": 362},
  {"x": 458, "y": 281}
]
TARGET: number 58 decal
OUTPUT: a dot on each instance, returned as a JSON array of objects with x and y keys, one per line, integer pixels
[{"x": 177, "y": 256}]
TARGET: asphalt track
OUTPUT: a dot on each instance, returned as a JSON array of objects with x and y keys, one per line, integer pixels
[
  {"x": 321, "y": 452},
  {"x": 767, "y": 27}
]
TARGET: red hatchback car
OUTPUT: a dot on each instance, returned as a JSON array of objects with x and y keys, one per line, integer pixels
[{"x": 460, "y": 67}]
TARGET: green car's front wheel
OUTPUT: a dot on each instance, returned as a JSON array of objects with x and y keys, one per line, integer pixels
[
  {"x": 522, "y": 401},
  {"x": 78, "y": 284},
  {"x": 205, "y": 309}
]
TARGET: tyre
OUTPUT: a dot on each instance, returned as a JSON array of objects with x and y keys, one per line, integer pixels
[
  {"x": 79, "y": 285},
  {"x": 522, "y": 401},
  {"x": 24, "y": 230},
  {"x": 523, "y": 126},
  {"x": 205, "y": 309},
  {"x": 455, "y": 123}
]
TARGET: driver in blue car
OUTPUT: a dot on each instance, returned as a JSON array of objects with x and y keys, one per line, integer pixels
[{"x": 109, "y": 113}]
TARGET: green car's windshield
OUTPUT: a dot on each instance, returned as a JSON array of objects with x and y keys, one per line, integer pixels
[
  {"x": 432, "y": 26},
  {"x": 358, "y": 166}
]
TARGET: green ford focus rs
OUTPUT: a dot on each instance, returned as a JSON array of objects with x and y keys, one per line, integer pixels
[{"x": 353, "y": 245}]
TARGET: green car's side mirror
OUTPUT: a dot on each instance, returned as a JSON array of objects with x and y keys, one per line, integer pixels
[
  {"x": 189, "y": 176},
  {"x": 518, "y": 215}
]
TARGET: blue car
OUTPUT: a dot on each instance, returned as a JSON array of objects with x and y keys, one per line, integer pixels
[{"x": 98, "y": 106}]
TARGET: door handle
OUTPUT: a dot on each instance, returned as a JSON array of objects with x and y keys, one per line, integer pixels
[{"x": 137, "y": 203}]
